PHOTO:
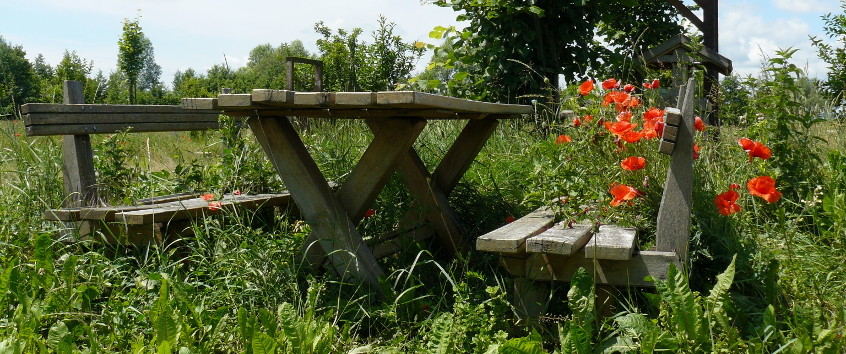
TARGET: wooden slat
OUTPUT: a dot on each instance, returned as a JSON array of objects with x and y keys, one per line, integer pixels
[
  {"x": 318, "y": 99},
  {"x": 546, "y": 267},
  {"x": 410, "y": 99},
  {"x": 199, "y": 103},
  {"x": 511, "y": 238},
  {"x": 31, "y": 108},
  {"x": 355, "y": 99},
  {"x": 64, "y": 214},
  {"x": 611, "y": 242},
  {"x": 167, "y": 198},
  {"x": 348, "y": 113},
  {"x": 235, "y": 100},
  {"x": 673, "y": 224},
  {"x": 192, "y": 208},
  {"x": 273, "y": 97},
  {"x": 560, "y": 239},
  {"x": 112, "y": 118},
  {"x": 77, "y": 129}
]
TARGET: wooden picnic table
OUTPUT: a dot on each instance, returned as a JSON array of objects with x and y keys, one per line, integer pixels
[{"x": 396, "y": 118}]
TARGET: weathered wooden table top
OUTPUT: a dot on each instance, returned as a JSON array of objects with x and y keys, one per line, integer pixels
[{"x": 355, "y": 105}]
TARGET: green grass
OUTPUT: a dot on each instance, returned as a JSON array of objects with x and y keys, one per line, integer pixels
[{"x": 242, "y": 287}]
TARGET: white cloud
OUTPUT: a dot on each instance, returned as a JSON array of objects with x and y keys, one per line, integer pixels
[{"x": 805, "y": 6}]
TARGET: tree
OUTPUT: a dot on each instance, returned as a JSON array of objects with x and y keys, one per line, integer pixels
[
  {"x": 131, "y": 54},
  {"x": 510, "y": 47},
  {"x": 151, "y": 73},
  {"x": 834, "y": 56},
  {"x": 18, "y": 81}
]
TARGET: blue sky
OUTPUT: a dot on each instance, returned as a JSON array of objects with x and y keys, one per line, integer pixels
[{"x": 197, "y": 34}]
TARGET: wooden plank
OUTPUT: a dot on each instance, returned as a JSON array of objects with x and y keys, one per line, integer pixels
[
  {"x": 78, "y": 129},
  {"x": 411, "y": 99},
  {"x": 348, "y": 113},
  {"x": 511, "y": 237},
  {"x": 79, "y": 181},
  {"x": 167, "y": 198},
  {"x": 64, "y": 214},
  {"x": 612, "y": 242},
  {"x": 318, "y": 204},
  {"x": 193, "y": 208},
  {"x": 235, "y": 100},
  {"x": 671, "y": 133},
  {"x": 611, "y": 272},
  {"x": 273, "y": 97},
  {"x": 560, "y": 239},
  {"x": 672, "y": 116},
  {"x": 82, "y": 108},
  {"x": 112, "y": 118},
  {"x": 355, "y": 99},
  {"x": 318, "y": 99},
  {"x": 666, "y": 147},
  {"x": 199, "y": 103},
  {"x": 673, "y": 224}
]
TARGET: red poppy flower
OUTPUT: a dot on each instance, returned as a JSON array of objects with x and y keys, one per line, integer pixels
[
  {"x": 16, "y": 120},
  {"x": 620, "y": 127},
  {"x": 587, "y": 118},
  {"x": 629, "y": 88},
  {"x": 586, "y": 87},
  {"x": 623, "y": 193},
  {"x": 755, "y": 149},
  {"x": 631, "y": 136},
  {"x": 734, "y": 186},
  {"x": 653, "y": 114},
  {"x": 649, "y": 133},
  {"x": 577, "y": 122},
  {"x": 695, "y": 151},
  {"x": 18, "y": 135},
  {"x": 237, "y": 192},
  {"x": 369, "y": 213},
  {"x": 610, "y": 84},
  {"x": 764, "y": 187},
  {"x": 633, "y": 163},
  {"x": 725, "y": 202},
  {"x": 563, "y": 139},
  {"x": 625, "y": 115},
  {"x": 509, "y": 219},
  {"x": 659, "y": 128},
  {"x": 207, "y": 196},
  {"x": 699, "y": 125},
  {"x": 655, "y": 84},
  {"x": 216, "y": 205}
]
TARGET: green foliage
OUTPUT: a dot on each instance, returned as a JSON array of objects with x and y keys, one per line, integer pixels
[
  {"x": 510, "y": 48},
  {"x": 834, "y": 56},
  {"x": 115, "y": 169},
  {"x": 131, "y": 54},
  {"x": 18, "y": 84}
]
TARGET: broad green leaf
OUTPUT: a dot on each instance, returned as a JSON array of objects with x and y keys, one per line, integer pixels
[
  {"x": 263, "y": 344},
  {"x": 165, "y": 327},
  {"x": 434, "y": 83},
  {"x": 533, "y": 344},
  {"x": 536, "y": 10},
  {"x": 268, "y": 321},
  {"x": 717, "y": 298},
  {"x": 460, "y": 76},
  {"x": 57, "y": 334}
]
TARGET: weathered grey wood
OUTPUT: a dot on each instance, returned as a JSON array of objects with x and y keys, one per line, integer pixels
[
  {"x": 82, "y": 108},
  {"x": 666, "y": 147},
  {"x": 672, "y": 116},
  {"x": 80, "y": 182},
  {"x": 192, "y": 208},
  {"x": 411, "y": 99},
  {"x": 347, "y": 113},
  {"x": 112, "y": 118},
  {"x": 671, "y": 133},
  {"x": 65, "y": 214},
  {"x": 289, "y": 74},
  {"x": 199, "y": 103},
  {"x": 511, "y": 237},
  {"x": 612, "y": 242},
  {"x": 318, "y": 204},
  {"x": 370, "y": 175},
  {"x": 315, "y": 99},
  {"x": 167, "y": 198},
  {"x": 235, "y": 100},
  {"x": 355, "y": 99},
  {"x": 673, "y": 225},
  {"x": 611, "y": 272},
  {"x": 80, "y": 129},
  {"x": 273, "y": 97},
  {"x": 560, "y": 239}
]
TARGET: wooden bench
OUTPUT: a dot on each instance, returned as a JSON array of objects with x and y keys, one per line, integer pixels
[
  {"x": 535, "y": 249},
  {"x": 152, "y": 219}
]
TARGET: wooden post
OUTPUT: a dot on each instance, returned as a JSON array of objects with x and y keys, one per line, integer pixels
[
  {"x": 673, "y": 227},
  {"x": 318, "y": 76},
  {"x": 79, "y": 179},
  {"x": 289, "y": 74}
]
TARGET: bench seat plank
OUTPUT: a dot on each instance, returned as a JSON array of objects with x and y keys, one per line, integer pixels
[
  {"x": 193, "y": 208},
  {"x": 511, "y": 237},
  {"x": 540, "y": 267},
  {"x": 560, "y": 239},
  {"x": 612, "y": 242}
]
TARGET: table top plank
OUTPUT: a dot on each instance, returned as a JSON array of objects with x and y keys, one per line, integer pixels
[{"x": 412, "y": 99}]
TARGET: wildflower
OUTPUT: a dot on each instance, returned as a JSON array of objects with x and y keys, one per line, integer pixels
[
  {"x": 207, "y": 196},
  {"x": 237, "y": 192},
  {"x": 764, "y": 187},
  {"x": 623, "y": 193},
  {"x": 633, "y": 163},
  {"x": 755, "y": 149},
  {"x": 577, "y": 122},
  {"x": 629, "y": 88},
  {"x": 16, "y": 120},
  {"x": 631, "y": 136},
  {"x": 625, "y": 115},
  {"x": 610, "y": 84},
  {"x": 620, "y": 127},
  {"x": 509, "y": 219},
  {"x": 215, "y": 205},
  {"x": 586, "y": 87},
  {"x": 699, "y": 125},
  {"x": 587, "y": 118},
  {"x": 563, "y": 139},
  {"x": 695, "y": 151},
  {"x": 653, "y": 114},
  {"x": 369, "y": 213},
  {"x": 725, "y": 202},
  {"x": 652, "y": 86},
  {"x": 18, "y": 135}
]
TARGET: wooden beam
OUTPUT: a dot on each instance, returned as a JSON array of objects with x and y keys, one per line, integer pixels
[
  {"x": 560, "y": 239},
  {"x": 689, "y": 15},
  {"x": 511, "y": 237},
  {"x": 76, "y": 129},
  {"x": 612, "y": 242},
  {"x": 31, "y": 108},
  {"x": 632, "y": 272},
  {"x": 79, "y": 179},
  {"x": 120, "y": 118}
]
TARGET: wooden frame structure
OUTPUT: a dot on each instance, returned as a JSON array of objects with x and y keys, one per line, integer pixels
[{"x": 396, "y": 119}]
